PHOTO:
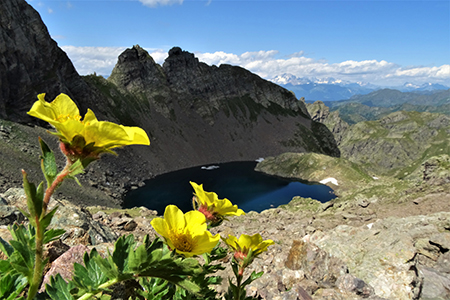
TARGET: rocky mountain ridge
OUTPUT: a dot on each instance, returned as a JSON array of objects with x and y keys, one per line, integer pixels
[
  {"x": 331, "y": 90},
  {"x": 379, "y": 104},
  {"x": 194, "y": 114},
  {"x": 394, "y": 145}
]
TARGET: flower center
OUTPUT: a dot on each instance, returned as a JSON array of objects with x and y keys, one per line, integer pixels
[{"x": 183, "y": 242}]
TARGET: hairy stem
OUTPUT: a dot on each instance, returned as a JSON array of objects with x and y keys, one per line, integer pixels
[
  {"x": 58, "y": 180},
  {"x": 37, "y": 274},
  {"x": 100, "y": 288},
  {"x": 239, "y": 287},
  {"x": 38, "y": 260}
]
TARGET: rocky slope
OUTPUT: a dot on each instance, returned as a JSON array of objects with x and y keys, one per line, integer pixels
[
  {"x": 394, "y": 145},
  {"x": 384, "y": 239},
  {"x": 31, "y": 63}
]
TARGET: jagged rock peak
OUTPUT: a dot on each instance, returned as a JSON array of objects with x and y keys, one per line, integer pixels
[
  {"x": 176, "y": 54},
  {"x": 183, "y": 62},
  {"x": 135, "y": 70},
  {"x": 135, "y": 53}
]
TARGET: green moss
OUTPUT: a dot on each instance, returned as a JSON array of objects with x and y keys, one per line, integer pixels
[
  {"x": 132, "y": 212},
  {"x": 302, "y": 204}
]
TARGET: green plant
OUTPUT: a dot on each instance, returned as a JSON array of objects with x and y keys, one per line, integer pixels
[{"x": 165, "y": 268}]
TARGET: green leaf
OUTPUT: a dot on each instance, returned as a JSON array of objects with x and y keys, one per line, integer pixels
[
  {"x": 30, "y": 191},
  {"x": 154, "y": 288},
  {"x": 122, "y": 248},
  {"x": 90, "y": 276},
  {"x": 22, "y": 259},
  {"x": 11, "y": 286},
  {"x": 252, "y": 277},
  {"x": 6, "y": 248},
  {"x": 52, "y": 234},
  {"x": 39, "y": 199},
  {"x": 46, "y": 220},
  {"x": 48, "y": 163},
  {"x": 58, "y": 289},
  {"x": 76, "y": 168},
  {"x": 23, "y": 242}
]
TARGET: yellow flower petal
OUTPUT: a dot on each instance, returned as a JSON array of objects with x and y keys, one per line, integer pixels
[
  {"x": 205, "y": 243},
  {"x": 186, "y": 233},
  {"x": 232, "y": 241},
  {"x": 51, "y": 112},
  {"x": 64, "y": 115},
  {"x": 195, "y": 221},
  {"x": 247, "y": 242},
  {"x": 218, "y": 207},
  {"x": 174, "y": 218}
]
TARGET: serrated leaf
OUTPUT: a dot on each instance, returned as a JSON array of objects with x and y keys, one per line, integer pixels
[
  {"x": 11, "y": 286},
  {"x": 108, "y": 266},
  {"x": 138, "y": 260},
  {"x": 5, "y": 267},
  {"x": 90, "y": 276},
  {"x": 154, "y": 288},
  {"x": 48, "y": 163},
  {"x": 22, "y": 259},
  {"x": 23, "y": 242},
  {"x": 58, "y": 289},
  {"x": 122, "y": 248}
]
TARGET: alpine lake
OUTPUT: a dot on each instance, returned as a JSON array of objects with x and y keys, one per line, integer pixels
[{"x": 236, "y": 181}]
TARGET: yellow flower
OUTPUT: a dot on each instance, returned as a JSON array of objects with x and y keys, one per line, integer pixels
[
  {"x": 212, "y": 207},
  {"x": 186, "y": 233},
  {"x": 245, "y": 243},
  {"x": 64, "y": 115}
]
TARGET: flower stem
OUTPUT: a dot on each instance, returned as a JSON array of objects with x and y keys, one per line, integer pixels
[
  {"x": 38, "y": 260},
  {"x": 100, "y": 288},
  {"x": 37, "y": 274},
  {"x": 58, "y": 180}
]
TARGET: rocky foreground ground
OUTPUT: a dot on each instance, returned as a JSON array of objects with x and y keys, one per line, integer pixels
[
  {"x": 381, "y": 238},
  {"x": 364, "y": 249}
]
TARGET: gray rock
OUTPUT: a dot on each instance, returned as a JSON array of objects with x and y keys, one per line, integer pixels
[
  {"x": 351, "y": 284},
  {"x": 436, "y": 286},
  {"x": 315, "y": 263}
]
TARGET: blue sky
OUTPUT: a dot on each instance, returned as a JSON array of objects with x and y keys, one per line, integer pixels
[{"x": 380, "y": 42}]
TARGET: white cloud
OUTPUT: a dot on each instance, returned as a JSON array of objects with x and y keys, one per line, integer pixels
[
  {"x": 88, "y": 60},
  {"x": 155, "y": 3},
  {"x": 102, "y": 60},
  {"x": 268, "y": 64}
]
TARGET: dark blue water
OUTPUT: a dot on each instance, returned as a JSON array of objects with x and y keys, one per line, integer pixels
[{"x": 236, "y": 181}]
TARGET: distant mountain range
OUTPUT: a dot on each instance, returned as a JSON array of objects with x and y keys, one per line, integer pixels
[
  {"x": 380, "y": 103},
  {"x": 331, "y": 89}
]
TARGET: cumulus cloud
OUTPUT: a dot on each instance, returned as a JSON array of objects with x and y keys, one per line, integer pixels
[
  {"x": 102, "y": 60},
  {"x": 268, "y": 64},
  {"x": 88, "y": 60},
  {"x": 155, "y": 3}
]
